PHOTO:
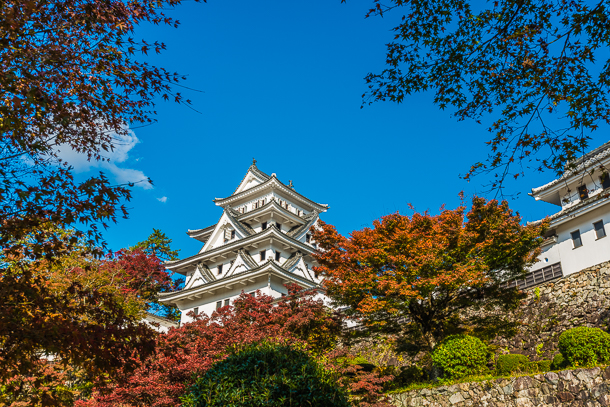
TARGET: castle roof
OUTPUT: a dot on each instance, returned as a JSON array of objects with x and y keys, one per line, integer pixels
[
  {"x": 252, "y": 240},
  {"x": 270, "y": 267},
  {"x": 587, "y": 161},
  {"x": 271, "y": 183}
]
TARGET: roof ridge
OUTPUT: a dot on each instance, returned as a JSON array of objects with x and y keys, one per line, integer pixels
[
  {"x": 254, "y": 169},
  {"x": 297, "y": 194}
]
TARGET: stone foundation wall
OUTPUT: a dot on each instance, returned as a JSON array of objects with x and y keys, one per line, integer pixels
[
  {"x": 568, "y": 388},
  {"x": 580, "y": 299}
]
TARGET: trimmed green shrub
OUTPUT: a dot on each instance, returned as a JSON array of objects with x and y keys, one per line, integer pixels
[
  {"x": 509, "y": 364},
  {"x": 266, "y": 375},
  {"x": 585, "y": 346},
  {"x": 559, "y": 362},
  {"x": 460, "y": 355}
]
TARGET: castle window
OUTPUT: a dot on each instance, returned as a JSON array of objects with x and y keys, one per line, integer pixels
[
  {"x": 279, "y": 226},
  {"x": 232, "y": 234},
  {"x": 278, "y": 256},
  {"x": 264, "y": 225},
  {"x": 583, "y": 192},
  {"x": 600, "y": 231},
  {"x": 218, "y": 304},
  {"x": 220, "y": 269},
  {"x": 226, "y": 302},
  {"x": 605, "y": 179},
  {"x": 263, "y": 255},
  {"x": 196, "y": 310},
  {"x": 308, "y": 238},
  {"x": 576, "y": 240}
]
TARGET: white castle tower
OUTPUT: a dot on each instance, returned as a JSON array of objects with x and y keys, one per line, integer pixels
[{"x": 262, "y": 242}]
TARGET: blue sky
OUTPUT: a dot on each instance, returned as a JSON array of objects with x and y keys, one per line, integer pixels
[{"x": 282, "y": 82}]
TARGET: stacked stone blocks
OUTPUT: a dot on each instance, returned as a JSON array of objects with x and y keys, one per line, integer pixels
[{"x": 574, "y": 388}]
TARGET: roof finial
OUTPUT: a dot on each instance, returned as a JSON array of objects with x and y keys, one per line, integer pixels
[
  {"x": 290, "y": 184},
  {"x": 254, "y": 161}
]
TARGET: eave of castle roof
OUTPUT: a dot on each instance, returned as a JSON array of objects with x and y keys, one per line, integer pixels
[
  {"x": 272, "y": 182},
  {"x": 237, "y": 244},
  {"x": 269, "y": 267},
  {"x": 585, "y": 205},
  {"x": 589, "y": 160},
  {"x": 271, "y": 205}
]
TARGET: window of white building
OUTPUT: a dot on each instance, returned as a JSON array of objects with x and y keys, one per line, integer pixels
[
  {"x": 605, "y": 180},
  {"x": 576, "y": 240},
  {"x": 220, "y": 269},
  {"x": 583, "y": 192},
  {"x": 264, "y": 225},
  {"x": 278, "y": 256},
  {"x": 600, "y": 231},
  {"x": 196, "y": 310},
  {"x": 226, "y": 302},
  {"x": 263, "y": 255},
  {"x": 218, "y": 304}
]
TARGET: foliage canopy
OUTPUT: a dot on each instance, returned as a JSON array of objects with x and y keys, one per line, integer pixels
[
  {"x": 539, "y": 68},
  {"x": 267, "y": 374},
  {"x": 69, "y": 80},
  {"x": 416, "y": 275}
]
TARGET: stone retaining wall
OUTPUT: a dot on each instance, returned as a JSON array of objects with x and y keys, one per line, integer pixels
[
  {"x": 568, "y": 388},
  {"x": 580, "y": 299}
]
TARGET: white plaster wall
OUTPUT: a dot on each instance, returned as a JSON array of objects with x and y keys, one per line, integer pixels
[
  {"x": 207, "y": 304},
  {"x": 592, "y": 252}
]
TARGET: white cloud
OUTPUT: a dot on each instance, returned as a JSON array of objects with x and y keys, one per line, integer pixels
[
  {"x": 162, "y": 199},
  {"x": 122, "y": 146}
]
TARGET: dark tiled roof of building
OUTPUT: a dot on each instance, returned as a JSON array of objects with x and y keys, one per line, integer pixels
[
  {"x": 604, "y": 195},
  {"x": 587, "y": 161}
]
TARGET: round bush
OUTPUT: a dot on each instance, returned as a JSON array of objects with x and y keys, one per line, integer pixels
[
  {"x": 508, "y": 364},
  {"x": 559, "y": 362},
  {"x": 585, "y": 346},
  {"x": 266, "y": 375},
  {"x": 460, "y": 355}
]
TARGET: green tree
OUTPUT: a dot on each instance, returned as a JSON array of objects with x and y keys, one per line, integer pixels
[
  {"x": 538, "y": 68},
  {"x": 158, "y": 244}
]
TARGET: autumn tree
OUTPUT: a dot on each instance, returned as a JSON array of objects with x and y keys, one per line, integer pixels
[
  {"x": 424, "y": 276},
  {"x": 102, "y": 303},
  {"x": 188, "y": 352},
  {"x": 538, "y": 68},
  {"x": 69, "y": 79}
]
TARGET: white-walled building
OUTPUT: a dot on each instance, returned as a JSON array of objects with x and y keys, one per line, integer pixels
[
  {"x": 577, "y": 235},
  {"x": 159, "y": 324},
  {"x": 261, "y": 242}
]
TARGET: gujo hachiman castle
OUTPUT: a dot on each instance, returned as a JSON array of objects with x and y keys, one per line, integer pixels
[{"x": 262, "y": 241}]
